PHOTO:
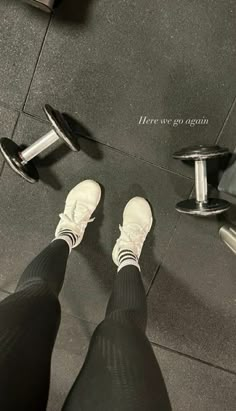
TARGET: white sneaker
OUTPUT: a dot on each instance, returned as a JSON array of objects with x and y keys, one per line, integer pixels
[
  {"x": 137, "y": 222},
  {"x": 81, "y": 202}
]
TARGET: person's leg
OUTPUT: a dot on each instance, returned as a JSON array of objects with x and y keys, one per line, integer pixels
[
  {"x": 121, "y": 372},
  {"x": 29, "y": 321},
  {"x": 29, "y": 318}
]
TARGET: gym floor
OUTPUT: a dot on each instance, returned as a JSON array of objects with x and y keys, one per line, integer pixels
[{"x": 106, "y": 64}]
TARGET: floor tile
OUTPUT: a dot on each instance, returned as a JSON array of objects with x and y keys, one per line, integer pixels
[
  {"x": 8, "y": 120},
  {"x": 127, "y": 60},
  {"x": 68, "y": 357},
  {"x": 22, "y": 31},
  {"x": 194, "y": 386},
  {"x": 35, "y": 208},
  {"x": 227, "y": 136},
  {"x": 192, "y": 304}
]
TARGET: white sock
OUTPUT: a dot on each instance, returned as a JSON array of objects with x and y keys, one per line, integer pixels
[
  {"x": 69, "y": 236},
  {"x": 127, "y": 257}
]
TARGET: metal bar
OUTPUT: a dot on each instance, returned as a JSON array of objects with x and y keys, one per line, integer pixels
[
  {"x": 40, "y": 145},
  {"x": 228, "y": 235},
  {"x": 201, "y": 181}
]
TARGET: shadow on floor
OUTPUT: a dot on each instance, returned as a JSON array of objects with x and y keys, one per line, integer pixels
[
  {"x": 82, "y": 132},
  {"x": 74, "y": 11}
]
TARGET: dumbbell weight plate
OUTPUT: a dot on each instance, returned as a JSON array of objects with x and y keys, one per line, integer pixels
[
  {"x": 200, "y": 152},
  {"x": 61, "y": 127},
  {"x": 45, "y": 5},
  {"x": 10, "y": 151},
  {"x": 212, "y": 207}
]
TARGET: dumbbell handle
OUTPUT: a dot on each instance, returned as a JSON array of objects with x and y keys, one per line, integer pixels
[
  {"x": 40, "y": 145},
  {"x": 201, "y": 181}
]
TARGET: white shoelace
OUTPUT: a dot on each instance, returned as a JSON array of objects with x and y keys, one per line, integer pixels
[
  {"x": 133, "y": 236},
  {"x": 80, "y": 221}
]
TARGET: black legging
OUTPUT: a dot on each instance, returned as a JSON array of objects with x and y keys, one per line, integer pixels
[{"x": 120, "y": 371}]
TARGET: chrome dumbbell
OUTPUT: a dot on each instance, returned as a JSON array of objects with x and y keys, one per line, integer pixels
[
  {"x": 45, "y": 5},
  {"x": 21, "y": 161},
  {"x": 201, "y": 205},
  {"x": 228, "y": 236}
]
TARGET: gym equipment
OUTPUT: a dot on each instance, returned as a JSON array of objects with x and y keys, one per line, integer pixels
[
  {"x": 45, "y": 5},
  {"x": 201, "y": 205},
  {"x": 228, "y": 236},
  {"x": 20, "y": 161},
  {"x": 227, "y": 182}
]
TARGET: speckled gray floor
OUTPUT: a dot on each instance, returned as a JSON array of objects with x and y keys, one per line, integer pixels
[{"x": 107, "y": 64}]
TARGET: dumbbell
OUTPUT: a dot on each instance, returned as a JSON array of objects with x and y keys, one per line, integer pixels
[
  {"x": 228, "y": 236},
  {"x": 201, "y": 205},
  {"x": 45, "y": 5},
  {"x": 21, "y": 161}
]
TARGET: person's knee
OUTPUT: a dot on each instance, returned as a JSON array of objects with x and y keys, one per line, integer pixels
[{"x": 37, "y": 295}]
